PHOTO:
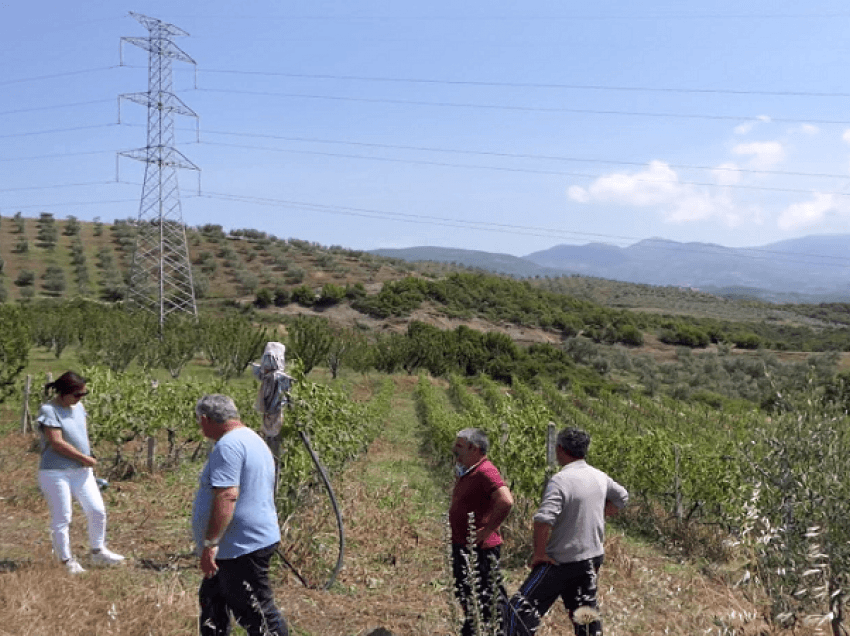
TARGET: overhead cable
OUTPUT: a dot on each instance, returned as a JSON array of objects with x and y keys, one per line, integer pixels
[
  {"x": 752, "y": 253},
  {"x": 533, "y": 109},
  {"x": 583, "y": 175},
  {"x": 512, "y": 155},
  {"x": 545, "y": 85},
  {"x": 37, "y": 78}
]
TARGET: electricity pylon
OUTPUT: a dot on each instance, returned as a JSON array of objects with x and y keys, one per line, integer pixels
[{"x": 161, "y": 273}]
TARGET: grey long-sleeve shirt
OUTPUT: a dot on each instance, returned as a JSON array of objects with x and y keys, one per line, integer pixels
[{"x": 574, "y": 505}]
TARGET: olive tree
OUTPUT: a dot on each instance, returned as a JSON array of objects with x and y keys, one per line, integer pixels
[
  {"x": 14, "y": 347},
  {"x": 796, "y": 520}
]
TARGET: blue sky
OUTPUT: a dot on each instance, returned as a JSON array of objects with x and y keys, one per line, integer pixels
[{"x": 497, "y": 126}]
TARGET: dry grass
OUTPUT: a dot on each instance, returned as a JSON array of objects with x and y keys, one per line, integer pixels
[{"x": 394, "y": 575}]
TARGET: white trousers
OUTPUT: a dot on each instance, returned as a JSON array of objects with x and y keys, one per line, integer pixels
[{"x": 58, "y": 487}]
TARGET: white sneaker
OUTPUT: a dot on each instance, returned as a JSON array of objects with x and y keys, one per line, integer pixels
[
  {"x": 106, "y": 557},
  {"x": 73, "y": 566}
]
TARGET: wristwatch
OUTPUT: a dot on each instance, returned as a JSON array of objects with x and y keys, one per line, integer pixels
[{"x": 211, "y": 543}]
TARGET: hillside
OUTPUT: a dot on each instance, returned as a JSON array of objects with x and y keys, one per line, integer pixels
[
  {"x": 88, "y": 259},
  {"x": 806, "y": 270},
  {"x": 225, "y": 266}
]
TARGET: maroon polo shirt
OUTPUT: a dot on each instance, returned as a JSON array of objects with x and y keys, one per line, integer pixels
[{"x": 472, "y": 493}]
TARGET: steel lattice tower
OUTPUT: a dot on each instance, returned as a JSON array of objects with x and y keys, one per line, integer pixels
[{"x": 161, "y": 273}]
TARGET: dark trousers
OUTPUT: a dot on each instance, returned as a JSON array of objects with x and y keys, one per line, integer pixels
[
  {"x": 575, "y": 583},
  {"x": 485, "y": 579},
  {"x": 241, "y": 587}
]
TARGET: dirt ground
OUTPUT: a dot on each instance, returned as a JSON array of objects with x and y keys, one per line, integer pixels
[{"x": 394, "y": 575}]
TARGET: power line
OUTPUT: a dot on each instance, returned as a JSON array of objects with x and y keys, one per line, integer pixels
[
  {"x": 36, "y": 78},
  {"x": 752, "y": 253},
  {"x": 461, "y": 151},
  {"x": 444, "y": 164},
  {"x": 57, "y": 155},
  {"x": 583, "y": 175},
  {"x": 65, "y": 204},
  {"x": 494, "y": 84},
  {"x": 57, "y": 130},
  {"x": 530, "y": 18},
  {"x": 533, "y": 109},
  {"x": 510, "y": 229},
  {"x": 449, "y": 82},
  {"x": 57, "y": 186},
  {"x": 70, "y": 105},
  {"x": 511, "y": 155}
]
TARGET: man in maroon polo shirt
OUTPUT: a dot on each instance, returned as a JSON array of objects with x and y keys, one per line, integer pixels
[{"x": 480, "y": 503}]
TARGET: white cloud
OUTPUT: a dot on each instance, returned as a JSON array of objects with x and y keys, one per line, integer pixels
[
  {"x": 747, "y": 127},
  {"x": 685, "y": 197},
  {"x": 691, "y": 207},
  {"x": 806, "y": 214},
  {"x": 727, "y": 174},
  {"x": 578, "y": 194},
  {"x": 764, "y": 154},
  {"x": 659, "y": 186},
  {"x": 807, "y": 129},
  {"x": 697, "y": 205},
  {"x": 655, "y": 185}
]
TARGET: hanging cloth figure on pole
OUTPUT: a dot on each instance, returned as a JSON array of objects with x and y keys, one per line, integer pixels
[{"x": 272, "y": 396}]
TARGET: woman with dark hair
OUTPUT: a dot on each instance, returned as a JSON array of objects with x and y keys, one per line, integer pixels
[{"x": 66, "y": 470}]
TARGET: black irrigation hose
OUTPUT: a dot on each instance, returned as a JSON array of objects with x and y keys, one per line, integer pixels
[
  {"x": 326, "y": 480},
  {"x": 291, "y": 567},
  {"x": 334, "y": 503}
]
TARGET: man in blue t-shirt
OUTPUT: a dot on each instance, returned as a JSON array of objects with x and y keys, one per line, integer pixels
[{"x": 235, "y": 526}]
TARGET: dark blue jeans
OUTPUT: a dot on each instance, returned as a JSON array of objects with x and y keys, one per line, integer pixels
[
  {"x": 241, "y": 587},
  {"x": 575, "y": 583}
]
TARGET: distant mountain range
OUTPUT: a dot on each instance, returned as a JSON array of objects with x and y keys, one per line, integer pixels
[{"x": 808, "y": 269}]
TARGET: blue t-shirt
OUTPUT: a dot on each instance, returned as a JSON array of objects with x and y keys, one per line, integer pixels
[
  {"x": 72, "y": 422},
  {"x": 242, "y": 459}
]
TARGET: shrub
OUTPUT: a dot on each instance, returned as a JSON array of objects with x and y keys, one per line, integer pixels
[
  {"x": 685, "y": 335},
  {"x": 14, "y": 347},
  {"x": 355, "y": 291},
  {"x": 72, "y": 226},
  {"x": 304, "y": 295},
  {"x": 282, "y": 297},
  {"x": 747, "y": 340},
  {"x": 331, "y": 294},
  {"x": 263, "y": 299},
  {"x": 54, "y": 279},
  {"x": 25, "y": 278},
  {"x": 630, "y": 335},
  {"x": 20, "y": 223}
]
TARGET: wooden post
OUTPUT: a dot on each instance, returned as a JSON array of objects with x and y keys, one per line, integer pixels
[
  {"x": 151, "y": 452},
  {"x": 551, "y": 442},
  {"x": 25, "y": 409},
  {"x": 677, "y": 486}
]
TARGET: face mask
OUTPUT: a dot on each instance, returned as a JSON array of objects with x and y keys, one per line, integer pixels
[{"x": 460, "y": 470}]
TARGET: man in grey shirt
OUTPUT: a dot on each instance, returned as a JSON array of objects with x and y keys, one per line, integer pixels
[{"x": 569, "y": 530}]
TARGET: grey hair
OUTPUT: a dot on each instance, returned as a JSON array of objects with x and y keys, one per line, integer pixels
[
  {"x": 476, "y": 437},
  {"x": 219, "y": 408},
  {"x": 574, "y": 441}
]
